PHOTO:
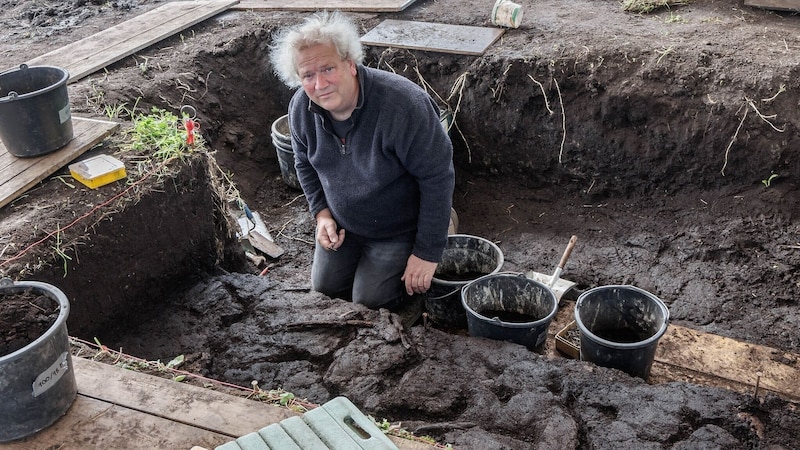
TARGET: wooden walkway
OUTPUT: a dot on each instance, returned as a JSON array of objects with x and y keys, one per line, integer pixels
[
  {"x": 17, "y": 175},
  {"x": 122, "y": 409},
  {"x": 684, "y": 354},
  {"x": 106, "y": 47}
]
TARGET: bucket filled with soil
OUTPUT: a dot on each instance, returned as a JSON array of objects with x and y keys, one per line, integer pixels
[
  {"x": 510, "y": 307},
  {"x": 620, "y": 327},
  {"x": 466, "y": 258},
  {"x": 35, "y": 114},
  {"x": 37, "y": 380}
]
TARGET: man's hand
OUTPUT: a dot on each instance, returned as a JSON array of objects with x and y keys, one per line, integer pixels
[
  {"x": 418, "y": 275},
  {"x": 326, "y": 231}
]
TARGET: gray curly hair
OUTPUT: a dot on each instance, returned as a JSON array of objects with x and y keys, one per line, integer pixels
[{"x": 320, "y": 28}]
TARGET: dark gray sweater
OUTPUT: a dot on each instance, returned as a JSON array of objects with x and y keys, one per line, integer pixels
[{"x": 393, "y": 175}]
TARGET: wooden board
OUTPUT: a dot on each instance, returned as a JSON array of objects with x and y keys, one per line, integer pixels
[
  {"x": 99, "y": 50},
  {"x": 706, "y": 359},
  {"x": 17, "y": 175},
  {"x": 320, "y": 5},
  {"x": 95, "y": 424},
  {"x": 204, "y": 408},
  {"x": 727, "y": 358},
  {"x": 440, "y": 37},
  {"x": 264, "y": 245},
  {"x": 784, "y": 5},
  {"x": 118, "y": 408}
]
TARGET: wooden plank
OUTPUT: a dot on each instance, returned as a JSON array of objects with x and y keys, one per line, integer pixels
[
  {"x": 119, "y": 408},
  {"x": 204, "y": 408},
  {"x": 99, "y": 50},
  {"x": 727, "y": 358},
  {"x": 784, "y": 5},
  {"x": 446, "y": 38},
  {"x": 96, "y": 424},
  {"x": 320, "y": 5},
  {"x": 264, "y": 245},
  {"x": 17, "y": 175}
]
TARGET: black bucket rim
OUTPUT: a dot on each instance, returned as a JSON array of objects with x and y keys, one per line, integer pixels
[
  {"x": 47, "y": 289},
  {"x": 274, "y": 128},
  {"x": 622, "y": 345},
  {"x": 44, "y": 90},
  {"x": 496, "y": 321},
  {"x": 498, "y": 267}
]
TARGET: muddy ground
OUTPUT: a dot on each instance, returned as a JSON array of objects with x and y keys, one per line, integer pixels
[{"x": 653, "y": 138}]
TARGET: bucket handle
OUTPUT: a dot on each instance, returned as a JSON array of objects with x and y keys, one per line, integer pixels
[
  {"x": 22, "y": 66},
  {"x": 13, "y": 94}
]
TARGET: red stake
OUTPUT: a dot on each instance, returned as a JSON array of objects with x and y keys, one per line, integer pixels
[{"x": 190, "y": 126}]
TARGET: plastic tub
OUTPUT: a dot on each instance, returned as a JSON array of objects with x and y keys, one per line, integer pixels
[
  {"x": 37, "y": 382},
  {"x": 466, "y": 258},
  {"x": 509, "y": 307},
  {"x": 620, "y": 327},
  {"x": 35, "y": 116}
]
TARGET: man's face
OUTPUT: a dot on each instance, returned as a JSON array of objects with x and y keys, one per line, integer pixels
[{"x": 329, "y": 80}]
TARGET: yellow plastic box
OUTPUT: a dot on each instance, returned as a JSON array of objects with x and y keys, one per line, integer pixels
[{"x": 98, "y": 170}]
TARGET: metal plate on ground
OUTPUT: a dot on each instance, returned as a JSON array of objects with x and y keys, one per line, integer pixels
[
  {"x": 783, "y": 5},
  {"x": 439, "y": 37}
]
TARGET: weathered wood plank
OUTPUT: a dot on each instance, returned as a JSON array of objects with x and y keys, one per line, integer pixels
[
  {"x": 95, "y": 424},
  {"x": 101, "y": 49},
  {"x": 727, "y": 358},
  {"x": 204, "y": 408},
  {"x": 17, "y": 175},
  {"x": 320, "y": 5},
  {"x": 446, "y": 38},
  {"x": 785, "y": 5}
]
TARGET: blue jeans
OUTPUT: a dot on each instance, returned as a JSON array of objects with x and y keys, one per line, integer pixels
[{"x": 366, "y": 271}]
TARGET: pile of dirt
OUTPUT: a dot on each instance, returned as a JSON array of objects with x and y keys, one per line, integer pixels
[{"x": 666, "y": 142}]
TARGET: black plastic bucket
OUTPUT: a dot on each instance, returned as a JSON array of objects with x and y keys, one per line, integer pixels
[
  {"x": 466, "y": 258},
  {"x": 620, "y": 327},
  {"x": 37, "y": 382},
  {"x": 282, "y": 141},
  {"x": 35, "y": 116},
  {"x": 509, "y": 307},
  {"x": 443, "y": 304}
]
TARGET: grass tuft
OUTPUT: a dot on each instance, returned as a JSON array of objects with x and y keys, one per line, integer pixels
[{"x": 648, "y": 6}]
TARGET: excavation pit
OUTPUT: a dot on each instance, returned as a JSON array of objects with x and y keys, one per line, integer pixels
[{"x": 633, "y": 165}]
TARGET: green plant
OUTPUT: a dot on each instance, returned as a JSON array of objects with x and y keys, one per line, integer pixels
[
  {"x": 116, "y": 111},
  {"x": 60, "y": 252},
  {"x": 276, "y": 396},
  {"x": 161, "y": 133},
  {"x": 675, "y": 18},
  {"x": 768, "y": 181}
]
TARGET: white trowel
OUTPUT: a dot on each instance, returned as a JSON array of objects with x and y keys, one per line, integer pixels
[{"x": 558, "y": 285}]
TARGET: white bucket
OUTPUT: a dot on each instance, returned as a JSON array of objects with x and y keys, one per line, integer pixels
[{"x": 506, "y": 14}]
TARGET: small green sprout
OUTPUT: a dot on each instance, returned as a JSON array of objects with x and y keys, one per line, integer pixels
[{"x": 767, "y": 182}]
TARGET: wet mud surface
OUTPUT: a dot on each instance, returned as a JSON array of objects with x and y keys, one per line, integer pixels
[{"x": 653, "y": 138}]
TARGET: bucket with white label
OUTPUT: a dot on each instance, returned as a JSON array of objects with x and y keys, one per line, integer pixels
[{"x": 37, "y": 380}]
